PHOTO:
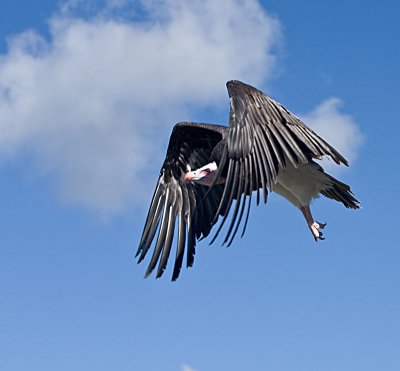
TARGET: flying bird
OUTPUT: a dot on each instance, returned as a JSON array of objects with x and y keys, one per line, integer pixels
[{"x": 211, "y": 172}]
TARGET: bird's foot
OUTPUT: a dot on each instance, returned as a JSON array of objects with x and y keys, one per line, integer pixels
[
  {"x": 312, "y": 224},
  {"x": 315, "y": 230}
]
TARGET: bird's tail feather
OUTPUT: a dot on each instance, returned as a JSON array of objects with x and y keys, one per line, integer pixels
[{"x": 336, "y": 190}]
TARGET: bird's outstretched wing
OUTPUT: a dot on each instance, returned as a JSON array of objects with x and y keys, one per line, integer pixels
[
  {"x": 263, "y": 135},
  {"x": 180, "y": 205}
]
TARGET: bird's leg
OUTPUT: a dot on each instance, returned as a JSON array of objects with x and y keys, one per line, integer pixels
[{"x": 312, "y": 224}]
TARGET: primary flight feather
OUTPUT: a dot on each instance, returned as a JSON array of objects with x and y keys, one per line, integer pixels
[{"x": 210, "y": 170}]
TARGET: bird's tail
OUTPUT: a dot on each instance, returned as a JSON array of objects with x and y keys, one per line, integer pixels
[{"x": 336, "y": 190}]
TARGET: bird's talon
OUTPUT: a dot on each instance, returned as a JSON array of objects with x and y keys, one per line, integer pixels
[{"x": 315, "y": 228}]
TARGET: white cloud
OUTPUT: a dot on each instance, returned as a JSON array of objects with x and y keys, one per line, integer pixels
[
  {"x": 337, "y": 128},
  {"x": 93, "y": 104},
  {"x": 186, "y": 367}
]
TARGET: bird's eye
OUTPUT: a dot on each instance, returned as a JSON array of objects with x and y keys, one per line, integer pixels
[{"x": 207, "y": 170}]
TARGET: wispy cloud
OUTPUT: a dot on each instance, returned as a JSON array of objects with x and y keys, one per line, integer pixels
[
  {"x": 92, "y": 103},
  {"x": 186, "y": 367},
  {"x": 337, "y": 128}
]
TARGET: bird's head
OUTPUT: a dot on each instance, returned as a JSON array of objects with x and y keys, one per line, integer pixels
[{"x": 204, "y": 175}]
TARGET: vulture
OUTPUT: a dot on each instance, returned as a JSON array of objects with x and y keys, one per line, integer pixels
[{"x": 211, "y": 172}]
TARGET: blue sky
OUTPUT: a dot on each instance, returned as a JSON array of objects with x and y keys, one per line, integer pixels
[{"x": 88, "y": 96}]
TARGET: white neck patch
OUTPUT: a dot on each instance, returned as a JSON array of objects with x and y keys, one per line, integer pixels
[{"x": 212, "y": 166}]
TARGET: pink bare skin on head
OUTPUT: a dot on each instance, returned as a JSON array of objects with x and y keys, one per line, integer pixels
[{"x": 204, "y": 175}]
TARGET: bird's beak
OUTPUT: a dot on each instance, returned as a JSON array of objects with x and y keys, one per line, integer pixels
[{"x": 191, "y": 176}]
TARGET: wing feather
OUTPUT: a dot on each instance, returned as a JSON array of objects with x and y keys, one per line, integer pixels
[
  {"x": 161, "y": 235},
  {"x": 176, "y": 204},
  {"x": 180, "y": 246},
  {"x": 168, "y": 241},
  {"x": 263, "y": 138}
]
